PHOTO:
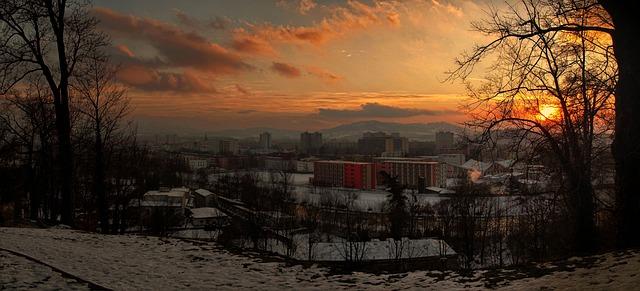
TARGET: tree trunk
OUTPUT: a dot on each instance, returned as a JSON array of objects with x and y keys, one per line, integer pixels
[
  {"x": 98, "y": 182},
  {"x": 585, "y": 234},
  {"x": 626, "y": 145},
  {"x": 63, "y": 128}
]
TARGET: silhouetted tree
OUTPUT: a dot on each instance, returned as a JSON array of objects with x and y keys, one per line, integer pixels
[
  {"x": 103, "y": 105},
  {"x": 49, "y": 38},
  {"x": 551, "y": 87}
]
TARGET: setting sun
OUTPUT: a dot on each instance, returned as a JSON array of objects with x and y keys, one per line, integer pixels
[{"x": 547, "y": 112}]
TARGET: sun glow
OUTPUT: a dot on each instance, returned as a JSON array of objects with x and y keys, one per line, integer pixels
[{"x": 548, "y": 112}]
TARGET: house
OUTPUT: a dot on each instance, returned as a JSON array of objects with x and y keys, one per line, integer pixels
[
  {"x": 207, "y": 217},
  {"x": 163, "y": 208},
  {"x": 202, "y": 198}
]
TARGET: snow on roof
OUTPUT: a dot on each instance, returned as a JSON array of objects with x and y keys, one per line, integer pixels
[
  {"x": 206, "y": 212},
  {"x": 204, "y": 192},
  {"x": 476, "y": 165},
  {"x": 440, "y": 190},
  {"x": 144, "y": 203},
  {"x": 173, "y": 192},
  {"x": 181, "y": 189}
]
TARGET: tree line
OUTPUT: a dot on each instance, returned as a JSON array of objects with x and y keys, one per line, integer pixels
[{"x": 68, "y": 148}]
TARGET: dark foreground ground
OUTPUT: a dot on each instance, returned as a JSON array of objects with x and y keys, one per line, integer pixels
[{"x": 54, "y": 259}]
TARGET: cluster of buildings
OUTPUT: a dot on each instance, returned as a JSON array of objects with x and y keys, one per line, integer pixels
[
  {"x": 413, "y": 173},
  {"x": 376, "y": 152},
  {"x": 178, "y": 207},
  {"x": 424, "y": 174}
]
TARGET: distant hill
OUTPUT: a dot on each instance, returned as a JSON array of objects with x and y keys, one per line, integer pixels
[
  {"x": 421, "y": 131},
  {"x": 350, "y": 131},
  {"x": 240, "y": 133}
]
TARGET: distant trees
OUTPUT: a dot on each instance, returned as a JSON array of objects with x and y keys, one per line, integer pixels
[
  {"x": 551, "y": 89},
  {"x": 29, "y": 137}
]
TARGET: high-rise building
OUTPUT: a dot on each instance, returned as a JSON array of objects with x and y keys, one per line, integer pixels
[
  {"x": 229, "y": 147},
  {"x": 310, "y": 142},
  {"x": 328, "y": 173},
  {"x": 412, "y": 174},
  {"x": 444, "y": 141},
  {"x": 346, "y": 174},
  {"x": 379, "y": 143},
  {"x": 359, "y": 175},
  {"x": 265, "y": 141}
]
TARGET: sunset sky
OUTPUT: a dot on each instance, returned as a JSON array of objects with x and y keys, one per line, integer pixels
[{"x": 294, "y": 64}]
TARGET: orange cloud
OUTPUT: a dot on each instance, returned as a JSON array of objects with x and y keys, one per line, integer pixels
[
  {"x": 123, "y": 49},
  {"x": 342, "y": 20},
  {"x": 251, "y": 44},
  {"x": 176, "y": 47},
  {"x": 285, "y": 70},
  {"x": 145, "y": 79},
  {"x": 449, "y": 8},
  {"x": 324, "y": 75}
]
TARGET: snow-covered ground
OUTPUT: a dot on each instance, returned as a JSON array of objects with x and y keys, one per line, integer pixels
[
  {"x": 140, "y": 262},
  {"x": 18, "y": 273}
]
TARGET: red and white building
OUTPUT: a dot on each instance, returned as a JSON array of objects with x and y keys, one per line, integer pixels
[{"x": 355, "y": 175}]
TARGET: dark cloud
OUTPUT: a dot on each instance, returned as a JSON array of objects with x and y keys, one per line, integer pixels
[
  {"x": 246, "y": 111},
  {"x": 286, "y": 70},
  {"x": 186, "y": 20},
  {"x": 146, "y": 79},
  {"x": 250, "y": 44},
  {"x": 176, "y": 48},
  {"x": 379, "y": 110},
  {"x": 302, "y": 6},
  {"x": 217, "y": 22}
]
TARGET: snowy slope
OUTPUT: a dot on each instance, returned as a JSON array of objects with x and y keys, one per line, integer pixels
[{"x": 139, "y": 262}]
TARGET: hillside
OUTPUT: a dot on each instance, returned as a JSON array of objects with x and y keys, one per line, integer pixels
[{"x": 141, "y": 262}]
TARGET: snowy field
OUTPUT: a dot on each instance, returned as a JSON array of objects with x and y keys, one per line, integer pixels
[{"x": 150, "y": 263}]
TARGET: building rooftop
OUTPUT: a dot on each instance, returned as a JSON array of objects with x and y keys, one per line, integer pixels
[
  {"x": 204, "y": 192},
  {"x": 170, "y": 193},
  {"x": 206, "y": 212}
]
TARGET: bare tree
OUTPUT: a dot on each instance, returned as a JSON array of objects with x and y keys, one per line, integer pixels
[
  {"x": 104, "y": 106},
  {"x": 618, "y": 19},
  {"x": 48, "y": 38},
  {"x": 551, "y": 88},
  {"x": 24, "y": 116}
]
